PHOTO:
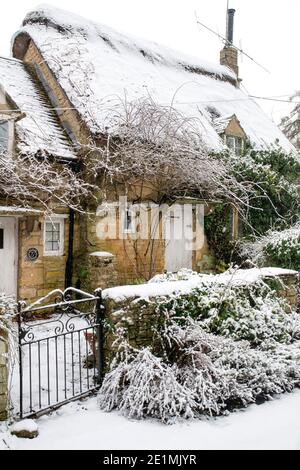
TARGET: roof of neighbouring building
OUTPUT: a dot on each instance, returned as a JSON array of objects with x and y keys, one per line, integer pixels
[
  {"x": 98, "y": 67},
  {"x": 39, "y": 131}
]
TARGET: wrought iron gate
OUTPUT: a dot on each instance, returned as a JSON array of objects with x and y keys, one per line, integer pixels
[{"x": 61, "y": 349}]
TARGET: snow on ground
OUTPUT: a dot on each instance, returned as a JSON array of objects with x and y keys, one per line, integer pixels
[{"x": 81, "y": 425}]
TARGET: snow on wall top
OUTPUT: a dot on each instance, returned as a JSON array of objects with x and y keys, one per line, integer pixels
[
  {"x": 97, "y": 67},
  {"x": 161, "y": 287},
  {"x": 39, "y": 130}
]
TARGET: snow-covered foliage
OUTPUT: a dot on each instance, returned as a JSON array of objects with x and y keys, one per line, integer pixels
[
  {"x": 219, "y": 346},
  {"x": 145, "y": 386},
  {"x": 250, "y": 312},
  {"x": 163, "y": 150},
  {"x": 181, "y": 275},
  {"x": 8, "y": 308},
  {"x": 96, "y": 65},
  {"x": 189, "y": 373},
  {"x": 168, "y": 285},
  {"x": 7, "y": 304},
  {"x": 279, "y": 248},
  {"x": 275, "y": 196},
  {"x": 30, "y": 179}
]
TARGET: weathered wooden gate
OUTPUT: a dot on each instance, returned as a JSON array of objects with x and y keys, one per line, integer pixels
[{"x": 61, "y": 349}]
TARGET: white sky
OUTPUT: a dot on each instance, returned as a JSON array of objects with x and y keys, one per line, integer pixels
[{"x": 268, "y": 30}]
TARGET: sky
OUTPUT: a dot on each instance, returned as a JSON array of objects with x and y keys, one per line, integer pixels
[{"x": 267, "y": 30}]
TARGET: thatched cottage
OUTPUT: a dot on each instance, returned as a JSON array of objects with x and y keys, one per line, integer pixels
[{"x": 64, "y": 74}]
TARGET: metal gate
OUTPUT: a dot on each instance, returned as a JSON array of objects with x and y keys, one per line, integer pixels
[{"x": 61, "y": 349}]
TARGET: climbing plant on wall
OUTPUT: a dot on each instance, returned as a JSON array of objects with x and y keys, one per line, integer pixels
[{"x": 274, "y": 200}]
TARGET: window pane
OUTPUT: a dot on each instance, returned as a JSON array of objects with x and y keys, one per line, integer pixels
[
  {"x": 230, "y": 142},
  {"x": 55, "y": 246},
  {"x": 235, "y": 143},
  {"x": 52, "y": 236},
  {"x": 48, "y": 237},
  {"x": 3, "y": 136},
  {"x": 238, "y": 146},
  {"x": 55, "y": 236},
  {"x": 48, "y": 246},
  {"x": 1, "y": 238}
]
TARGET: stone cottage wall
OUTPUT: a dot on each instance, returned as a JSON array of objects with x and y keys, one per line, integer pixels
[
  {"x": 134, "y": 259},
  {"x": 37, "y": 278}
]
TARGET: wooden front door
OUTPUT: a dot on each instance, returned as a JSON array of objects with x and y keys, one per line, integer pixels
[
  {"x": 8, "y": 255},
  {"x": 178, "y": 235}
]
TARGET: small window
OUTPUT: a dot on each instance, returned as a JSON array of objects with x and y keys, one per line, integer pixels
[
  {"x": 54, "y": 237},
  {"x": 3, "y": 136},
  {"x": 1, "y": 238},
  {"x": 236, "y": 144}
]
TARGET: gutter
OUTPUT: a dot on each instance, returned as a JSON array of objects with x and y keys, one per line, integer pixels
[{"x": 70, "y": 259}]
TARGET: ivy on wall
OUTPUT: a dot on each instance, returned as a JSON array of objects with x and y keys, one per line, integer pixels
[
  {"x": 274, "y": 204},
  {"x": 218, "y": 230},
  {"x": 275, "y": 199}
]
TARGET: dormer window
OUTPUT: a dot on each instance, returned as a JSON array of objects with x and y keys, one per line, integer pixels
[
  {"x": 235, "y": 144},
  {"x": 231, "y": 132},
  {"x": 4, "y": 136}
]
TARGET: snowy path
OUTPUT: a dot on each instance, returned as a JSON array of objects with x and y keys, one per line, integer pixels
[{"x": 273, "y": 425}]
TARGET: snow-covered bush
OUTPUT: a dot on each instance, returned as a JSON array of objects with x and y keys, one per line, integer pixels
[
  {"x": 8, "y": 308},
  {"x": 278, "y": 248},
  {"x": 251, "y": 311},
  {"x": 181, "y": 275},
  {"x": 218, "y": 346},
  {"x": 146, "y": 386},
  {"x": 189, "y": 373}
]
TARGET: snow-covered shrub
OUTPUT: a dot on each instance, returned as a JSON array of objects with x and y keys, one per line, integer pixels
[
  {"x": 189, "y": 373},
  {"x": 238, "y": 373},
  {"x": 278, "y": 248},
  {"x": 146, "y": 386},
  {"x": 250, "y": 312},
  {"x": 219, "y": 346},
  {"x": 181, "y": 275},
  {"x": 8, "y": 305},
  {"x": 8, "y": 309}
]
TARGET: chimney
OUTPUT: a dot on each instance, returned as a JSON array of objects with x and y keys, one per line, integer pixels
[
  {"x": 230, "y": 25},
  {"x": 229, "y": 54}
]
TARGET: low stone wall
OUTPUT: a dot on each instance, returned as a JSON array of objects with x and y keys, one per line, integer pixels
[
  {"x": 287, "y": 286},
  {"x": 3, "y": 377}
]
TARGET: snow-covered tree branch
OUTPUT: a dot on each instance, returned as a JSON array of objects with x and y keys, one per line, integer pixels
[
  {"x": 150, "y": 147},
  {"x": 38, "y": 180}
]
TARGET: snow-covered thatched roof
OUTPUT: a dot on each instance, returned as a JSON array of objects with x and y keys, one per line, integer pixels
[
  {"x": 39, "y": 131},
  {"x": 98, "y": 67}
]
